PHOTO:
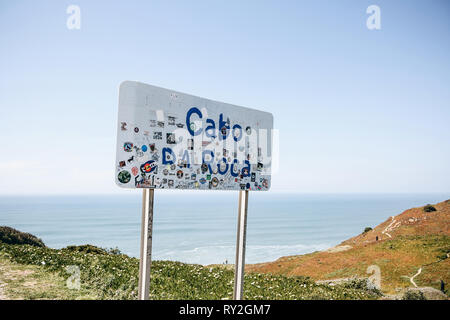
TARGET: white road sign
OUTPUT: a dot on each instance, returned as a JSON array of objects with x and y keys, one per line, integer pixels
[{"x": 172, "y": 140}]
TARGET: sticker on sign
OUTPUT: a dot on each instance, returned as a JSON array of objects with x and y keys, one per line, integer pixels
[{"x": 172, "y": 140}]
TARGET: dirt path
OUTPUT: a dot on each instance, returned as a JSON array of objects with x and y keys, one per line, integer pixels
[
  {"x": 412, "y": 278},
  {"x": 387, "y": 228},
  {"x": 338, "y": 249},
  {"x": 3, "y": 272},
  {"x": 10, "y": 274},
  {"x": 29, "y": 282},
  {"x": 2, "y": 295},
  {"x": 394, "y": 224}
]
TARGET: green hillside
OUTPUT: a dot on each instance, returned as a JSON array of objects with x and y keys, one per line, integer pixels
[{"x": 40, "y": 273}]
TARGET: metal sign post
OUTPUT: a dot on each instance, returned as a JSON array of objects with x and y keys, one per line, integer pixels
[
  {"x": 240, "y": 246},
  {"x": 146, "y": 243}
]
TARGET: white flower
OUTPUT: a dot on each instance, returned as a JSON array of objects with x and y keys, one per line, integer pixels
[{"x": 43, "y": 262}]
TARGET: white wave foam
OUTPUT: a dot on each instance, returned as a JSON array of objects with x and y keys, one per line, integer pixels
[{"x": 213, "y": 254}]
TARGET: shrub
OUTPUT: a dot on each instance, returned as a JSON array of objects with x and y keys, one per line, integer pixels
[
  {"x": 114, "y": 251},
  {"x": 413, "y": 295},
  {"x": 367, "y": 229},
  {"x": 443, "y": 253},
  {"x": 429, "y": 208},
  {"x": 86, "y": 248},
  {"x": 12, "y": 236}
]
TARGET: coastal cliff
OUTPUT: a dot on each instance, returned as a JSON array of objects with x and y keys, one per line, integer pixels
[{"x": 410, "y": 250}]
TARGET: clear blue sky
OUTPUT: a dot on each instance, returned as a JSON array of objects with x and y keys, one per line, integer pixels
[{"x": 358, "y": 110}]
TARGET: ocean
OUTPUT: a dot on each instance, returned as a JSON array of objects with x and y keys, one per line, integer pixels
[{"x": 200, "y": 227}]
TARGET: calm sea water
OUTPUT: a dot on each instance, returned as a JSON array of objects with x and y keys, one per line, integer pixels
[{"x": 200, "y": 227}]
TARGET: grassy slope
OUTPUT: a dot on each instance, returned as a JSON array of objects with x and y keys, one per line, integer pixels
[
  {"x": 418, "y": 240},
  {"x": 27, "y": 282},
  {"x": 109, "y": 276}
]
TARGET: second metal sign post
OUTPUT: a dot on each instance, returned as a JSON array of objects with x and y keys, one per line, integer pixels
[{"x": 146, "y": 245}]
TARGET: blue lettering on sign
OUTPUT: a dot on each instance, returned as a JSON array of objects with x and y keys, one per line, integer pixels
[
  {"x": 233, "y": 173},
  {"x": 186, "y": 158},
  {"x": 211, "y": 153},
  {"x": 212, "y": 128},
  {"x": 246, "y": 170},
  {"x": 188, "y": 121},
  {"x": 164, "y": 156},
  {"x": 237, "y": 127},
  {"x": 223, "y": 125},
  {"x": 226, "y": 167}
]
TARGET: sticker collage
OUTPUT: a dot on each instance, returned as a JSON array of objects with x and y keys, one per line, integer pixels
[
  {"x": 161, "y": 155},
  {"x": 172, "y": 140}
]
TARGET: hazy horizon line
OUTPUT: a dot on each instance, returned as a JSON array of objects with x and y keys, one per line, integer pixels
[{"x": 171, "y": 192}]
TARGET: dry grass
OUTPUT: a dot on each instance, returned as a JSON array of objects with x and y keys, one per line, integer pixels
[
  {"x": 28, "y": 282},
  {"x": 418, "y": 239}
]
